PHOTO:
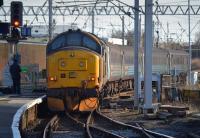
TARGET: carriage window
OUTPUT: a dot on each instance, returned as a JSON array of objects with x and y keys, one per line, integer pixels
[{"x": 74, "y": 39}]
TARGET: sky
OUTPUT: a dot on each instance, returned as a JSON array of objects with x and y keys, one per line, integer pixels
[{"x": 104, "y": 25}]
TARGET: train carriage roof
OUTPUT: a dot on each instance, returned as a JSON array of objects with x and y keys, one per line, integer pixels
[
  {"x": 161, "y": 51},
  {"x": 178, "y": 52},
  {"x": 75, "y": 38}
]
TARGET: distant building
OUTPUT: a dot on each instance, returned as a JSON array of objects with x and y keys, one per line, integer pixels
[
  {"x": 31, "y": 54},
  {"x": 117, "y": 41}
]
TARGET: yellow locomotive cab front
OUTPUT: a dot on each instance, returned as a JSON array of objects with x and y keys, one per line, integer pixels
[
  {"x": 74, "y": 71},
  {"x": 74, "y": 74}
]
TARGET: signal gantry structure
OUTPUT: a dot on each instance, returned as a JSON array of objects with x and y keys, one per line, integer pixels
[{"x": 102, "y": 10}]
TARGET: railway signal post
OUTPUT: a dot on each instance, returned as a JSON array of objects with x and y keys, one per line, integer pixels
[
  {"x": 1, "y": 2},
  {"x": 16, "y": 19}
]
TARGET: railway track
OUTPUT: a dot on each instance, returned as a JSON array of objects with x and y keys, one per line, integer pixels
[
  {"x": 124, "y": 130},
  {"x": 94, "y": 125},
  {"x": 96, "y": 120},
  {"x": 50, "y": 125},
  {"x": 65, "y": 126}
]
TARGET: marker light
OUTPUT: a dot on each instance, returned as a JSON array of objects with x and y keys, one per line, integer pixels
[{"x": 92, "y": 78}]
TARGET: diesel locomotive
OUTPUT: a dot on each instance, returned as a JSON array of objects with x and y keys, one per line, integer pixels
[{"x": 81, "y": 66}]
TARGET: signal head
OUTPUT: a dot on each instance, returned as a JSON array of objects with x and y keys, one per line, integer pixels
[
  {"x": 16, "y": 24},
  {"x": 16, "y": 14}
]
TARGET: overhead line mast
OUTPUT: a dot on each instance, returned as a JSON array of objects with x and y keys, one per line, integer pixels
[
  {"x": 50, "y": 19},
  {"x": 190, "y": 51}
]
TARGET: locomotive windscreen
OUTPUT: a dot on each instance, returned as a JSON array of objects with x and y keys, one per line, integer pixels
[{"x": 73, "y": 39}]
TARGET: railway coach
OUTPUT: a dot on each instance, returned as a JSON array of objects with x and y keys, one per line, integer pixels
[{"x": 80, "y": 67}]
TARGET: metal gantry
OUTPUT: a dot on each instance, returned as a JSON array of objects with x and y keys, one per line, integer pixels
[{"x": 103, "y": 10}]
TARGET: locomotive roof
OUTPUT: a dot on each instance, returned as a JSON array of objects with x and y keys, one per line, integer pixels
[{"x": 75, "y": 38}]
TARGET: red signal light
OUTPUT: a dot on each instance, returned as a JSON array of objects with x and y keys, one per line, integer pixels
[{"x": 16, "y": 23}]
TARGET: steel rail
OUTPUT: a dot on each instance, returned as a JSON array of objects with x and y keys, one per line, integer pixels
[
  {"x": 81, "y": 123},
  {"x": 94, "y": 130},
  {"x": 50, "y": 124},
  {"x": 134, "y": 129},
  {"x": 99, "y": 132},
  {"x": 55, "y": 120},
  {"x": 147, "y": 133}
]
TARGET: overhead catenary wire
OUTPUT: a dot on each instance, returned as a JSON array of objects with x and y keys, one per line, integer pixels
[
  {"x": 76, "y": 16},
  {"x": 122, "y": 10},
  {"x": 124, "y": 23},
  {"x": 90, "y": 13},
  {"x": 198, "y": 22},
  {"x": 88, "y": 16},
  {"x": 177, "y": 2},
  {"x": 182, "y": 28},
  {"x": 130, "y": 6},
  {"x": 79, "y": 4},
  {"x": 90, "y": 3},
  {"x": 179, "y": 37},
  {"x": 156, "y": 2},
  {"x": 82, "y": 1}
]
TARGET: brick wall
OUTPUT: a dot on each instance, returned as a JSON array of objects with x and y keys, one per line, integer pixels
[{"x": 30, "y": 54}]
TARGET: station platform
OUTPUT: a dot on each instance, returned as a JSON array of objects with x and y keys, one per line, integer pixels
[{"x": 9, "y": 104}]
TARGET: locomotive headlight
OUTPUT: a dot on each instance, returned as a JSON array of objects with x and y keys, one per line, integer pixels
[
  {"x": 91, "y": 78},
  {"x": 52, "y": 78},
  {"x": 81, "y": 64},
  {"x": 63, "y": 64}
]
